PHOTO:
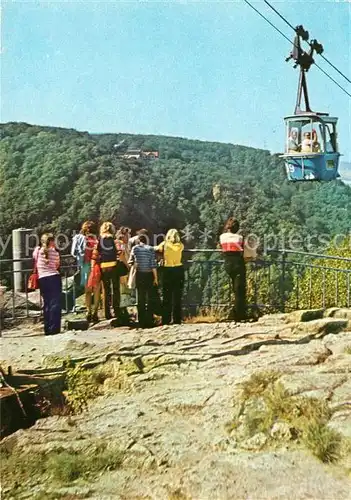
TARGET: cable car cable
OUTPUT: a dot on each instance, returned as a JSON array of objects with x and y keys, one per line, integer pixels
[
  {"x": 287, "y": 38},
  {"x": 332, "y": 79},
  {"x": 294, "y": 29},
  {"x": 280, "y": 15},
  {"x": 335, "y": 68},
  {"x": 268, "y": 21}
]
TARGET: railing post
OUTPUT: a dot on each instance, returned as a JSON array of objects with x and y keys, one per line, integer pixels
[
  {"x": 19, "y": 251},
  {"x": 2, "y": 303},
  {"x": 282, "y": 284}
]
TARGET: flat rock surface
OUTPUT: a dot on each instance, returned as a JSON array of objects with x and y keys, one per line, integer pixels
[{"x": 171, "y": 422}]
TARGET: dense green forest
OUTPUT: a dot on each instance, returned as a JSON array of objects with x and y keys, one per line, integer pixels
[{"x": 54, "y": 178}]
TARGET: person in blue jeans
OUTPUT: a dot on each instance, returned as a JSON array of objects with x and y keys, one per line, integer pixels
[{"x": 47, "y": 262}]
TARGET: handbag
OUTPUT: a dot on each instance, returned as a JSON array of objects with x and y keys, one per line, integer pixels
[
  {"x": 33, "y": 282},
  {"x": 131, "y": 277},
  {"x": 121, "y": 268}
]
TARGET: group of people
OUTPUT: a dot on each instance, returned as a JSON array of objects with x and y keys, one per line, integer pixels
[
  {"x": 114, "y": 258},
  {"x": 309, "y": 143}
]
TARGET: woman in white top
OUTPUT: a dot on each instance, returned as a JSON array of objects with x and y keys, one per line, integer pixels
[{"x": 47, "y": 262}]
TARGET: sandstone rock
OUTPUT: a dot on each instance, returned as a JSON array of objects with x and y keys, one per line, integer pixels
[
  {"x": 321, "y": 326},
  {"x": 171, "y": 428},
  {"x": 221, "y": 443},
  {"x": 281, "y": 431},
  {"x": 306, "y": 382},
  {"x": 140, "y": 449},
  {"x": 339, "y": 313},
  {"x": 256, "y": 442},
  {"x": 263, "y": 476},
  {"x": 338, "y": 344},
  {"x": 341, "y": 422},
  {"x": 70, "y": 492},
  {"x": 342, "y": 393},
  {"x": 139, "y": 457}
]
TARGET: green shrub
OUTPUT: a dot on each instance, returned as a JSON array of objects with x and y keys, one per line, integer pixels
[{"x": 323, "y": 442}]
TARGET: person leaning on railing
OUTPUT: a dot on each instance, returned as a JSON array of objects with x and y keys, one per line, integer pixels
[
  {"x": 143, "y": 258},
  {"x": 232, "y": 245},
  {"x": 47, "y": 261},
  {"x": 173, "y": 277}
]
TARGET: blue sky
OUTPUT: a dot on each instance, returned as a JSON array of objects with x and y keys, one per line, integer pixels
[{"x": 206, "y": 70}]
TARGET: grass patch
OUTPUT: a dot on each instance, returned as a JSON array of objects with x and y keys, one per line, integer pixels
[
  {"x": 45, "y": 495},
  {"x": 257, "y": 384},
  {"x": 84, "y": 385},
  {"x": 177, "y": 495},
  {"x": 263, "y": 401},
  {"x": 17, "y": 467},
  {"x": 67, "y": 467},
  {"x": 207, "y": 315},
  {"x": 348, "y": 349},
  {"x": 81, "y": 387},
  {"x": 323, "y": 442}
]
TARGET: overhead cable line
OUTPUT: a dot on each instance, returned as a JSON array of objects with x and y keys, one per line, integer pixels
[
  {"x": 279, "y": 14},
  {"x": 292, "y": 27},
  {"x": 294, "y": 44},
  {"x": 332, "y": 79},
  {"x": 268, "y": 21}
]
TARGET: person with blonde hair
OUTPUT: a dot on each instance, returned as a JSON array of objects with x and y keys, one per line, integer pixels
[
  {"x": 106, "y": 254},
  {"x": 173, "y": 277},
  {"x": 47, "y": 262},
  {"x": 83, "y": 245}
]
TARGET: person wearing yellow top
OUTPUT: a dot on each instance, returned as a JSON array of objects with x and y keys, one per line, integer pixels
[{"x": 173, "y": 277}]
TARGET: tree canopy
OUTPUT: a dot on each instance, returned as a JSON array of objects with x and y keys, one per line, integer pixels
[{"x": 55, "y": 178}]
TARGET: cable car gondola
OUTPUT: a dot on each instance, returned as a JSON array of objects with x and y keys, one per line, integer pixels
[{"x": 311, "y": 149}]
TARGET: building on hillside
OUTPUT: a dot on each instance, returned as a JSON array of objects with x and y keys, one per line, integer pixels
[
  {"x": 132, "y": 153},
  {"x": 138, "y": 154},
  {"x": 150, "y": 155}
]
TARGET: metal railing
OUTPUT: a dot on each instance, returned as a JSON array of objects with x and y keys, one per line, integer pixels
[{"x": 280, "y": 281}]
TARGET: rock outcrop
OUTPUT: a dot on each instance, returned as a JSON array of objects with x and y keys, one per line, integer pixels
[{"x": 175, "y": 416}]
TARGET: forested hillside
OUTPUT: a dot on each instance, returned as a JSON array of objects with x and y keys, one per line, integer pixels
[{"x": 52, "y": 178}]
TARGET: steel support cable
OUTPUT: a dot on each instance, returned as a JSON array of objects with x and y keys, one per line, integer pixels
[
  {"x": 279, "y": 14},
  {"x": 294, "y": 44},
  {"x": 269, "y": 22},
  {"x": 292, "y": 27},
  {"x": 332, "y": 79},
  {"x": 336, "y": 69}
]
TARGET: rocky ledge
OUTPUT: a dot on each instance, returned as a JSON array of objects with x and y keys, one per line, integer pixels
[{"x": 196, "y": 411}]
